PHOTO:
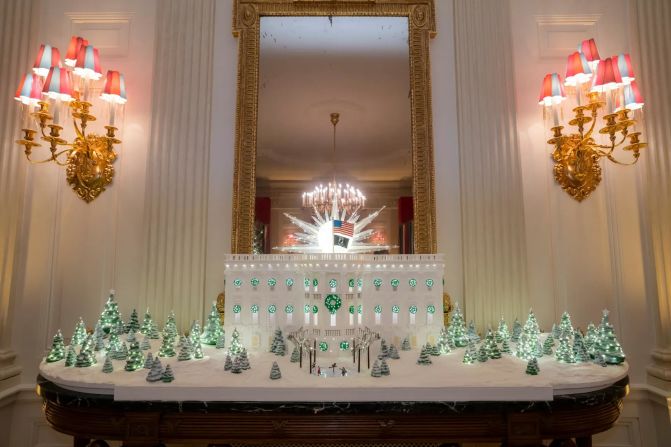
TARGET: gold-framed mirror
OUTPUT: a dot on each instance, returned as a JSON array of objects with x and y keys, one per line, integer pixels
[{"x": 247, "y": 16}]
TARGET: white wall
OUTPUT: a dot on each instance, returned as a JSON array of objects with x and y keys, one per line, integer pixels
[{"x": 580, "y": 257}]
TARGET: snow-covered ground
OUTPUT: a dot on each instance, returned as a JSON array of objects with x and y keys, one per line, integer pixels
[{"x": 447, "y": 379}]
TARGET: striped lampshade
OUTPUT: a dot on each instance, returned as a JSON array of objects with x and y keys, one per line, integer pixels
[
  {"x": 624, "y": 66},
  {"x": 88, "y": 63},
  {"x": 115, "y": 88},
  {"x": 47, "y": 57},
  {"x": 58, "y": 84},
  {"x": 76, "y": 43},
  {"x": 632, "y": 96},
  {"x": 30, "y": 89},
  {"x": 607, "y": 76},
  {"x": 588, "y": 48},
  {"x": 577, "y": 69},
  {"x": 552, "y": 90}
]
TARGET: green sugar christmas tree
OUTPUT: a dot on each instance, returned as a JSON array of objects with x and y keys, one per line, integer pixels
[
  {"x": 384, "y": 368},
  {"x": 532, "y": 367},
  {"x": 153, "y": 333},
  {"x": 184, "y": 353},
  {"x": 443, "y": 344},
  {"x": 213, "y": 330},
  {"x": 405, "y": 344},
  {"x": 121, "y": 353},
  {"x": 197, "y": 350},
  {"x": 148, "y": 361},
  {"x": 424, "y": 358},
  {"x": 195, "y": 332},
  {"x": 244, "y": 360},
  {"x": 491, "y": 347},
  {"x": 170, "y": 327},
  {"x": 236, "y": 346},
  {"x": 502, "y": 333},
  {"x": 275, "y": 372},
  {"x": 167, "y": 375},
  {"x": 83, "y": 359},
  {"x": 114, "y": 344},
  {"x": 565, "y": 324},
  {"x": 70, "y": 356},
  {"x": 135, "y": 360},
  {"x": 528, "y": 344},
  {"x": 167, "y": 349},
  {"x": 482, "y": 354},
  {"x": 79, "y": 334},
  {"x": 393, "y": 353},
  {"x": 156, "y": 371},
  {"x": 99, "y": 337},
  {"x": 564, "y": 352},
  {"x": 278, "y": 346},
  {"x": 384, "y": 349},
  {"x": 228, "y": 363},
  {"x": 57, "y": 351},
  {"x": 548, "y": 344},
  {"x": 579, "y": 351},
  {"x": 110, "y": 316},
  {"x": 433, "y": 350},
  {"x": 235, "y": 368},
  {"x": 505, "y": 347},
  {"x": 556, "y": 332},
  {"x": 470, "y": 355},
  {"x": 147, "y": 323},
  {"x": 375, "y": 371},
  {"x": 107, "y": 366},
  {"x": 131, "y": 336},
  {"x": 591, "y": 338},
  {"x": 295, "y": 355},
  {"x": 133, "y": 324},
  {"x": 87, "y": 348},
  {"x": 607, "y": 345},
  {"x": 457, "y": 328}
]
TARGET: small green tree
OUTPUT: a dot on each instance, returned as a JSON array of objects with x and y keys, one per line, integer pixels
[
  {"x": 532, "y": 367},
  {"x": 213, "y": 329},
  {"x": 167, "y": 375},
  {"x": 470, "y": 355},
  {"x": 70, "y": 356},
  {"x": 167, "y": 347},
  {"x": 295, "y": 355},
  {"x": 565, "y": 324},
  {"x": 502, "y": 332},
  {"x": 424, "y": 358},
  {"x": 579, "y": 351},
  {"x": 384, "y": 368},
  {"x": 457, "y": 328},
  {"x": 57, "y": 351},
  {"x": 405, "y": 345},
  {"x": 110, "y": 316},
  {"x": 527, "y": 346},
  {"x": 235, "y": 368},
  {"x": 236, "y": 346},
  {"x": 244, "y": 360},
  {"x": 135, "y": 360},
  {"x": 79, "y": 334},
  {"x": 107, "y": 366},
  {"x": 564, "y": 353},
  {"x": 133, "y": 324},
  {"x": 548, "y": 344},
  {"x": 376, "y": 371},
  {"x": 607, "y": 345},
  {"x": 156, "y": 371},
  {"x": 228, "y": 363},
  {"x": 393, "y": 353},
  {"x": 505, "y": 347},
  {"x": 148, "y": 361},
  {"x": 482, "y": 354},
  {"x": 275, "y": 372},
  {"x": 517, "y": 331}
]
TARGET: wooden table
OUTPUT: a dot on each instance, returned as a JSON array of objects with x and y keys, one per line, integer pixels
[{"x": 567, "y": 418}]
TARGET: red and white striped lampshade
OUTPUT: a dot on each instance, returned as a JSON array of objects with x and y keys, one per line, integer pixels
[
  {"x": 588, "y": 48},
  {"x": 552, "y": 90},
  {"x": 607, "y": 76},
  {"x": 577, "y": 69},
  {"x": 624, "y": 66},
  {"x": 30, "y": 89},
  {"x": 633, "y": 99},
  {"x": 76, "y": 43},
  {"x": 115, "y": 88},
  {"x": 47, "y": 57},
  {"x": 88, "y": 63},
  {"x": 58, "y": 84}
]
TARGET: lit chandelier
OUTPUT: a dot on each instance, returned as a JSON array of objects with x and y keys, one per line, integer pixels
[
  {"x": 52, "y": 90},
  {"x": 594, "y": 84},
  {"x": 348, "y": 198}
]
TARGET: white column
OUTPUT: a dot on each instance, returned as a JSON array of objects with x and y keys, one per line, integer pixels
[
  {"x": 654, "y": 37},
  {"x": 493, "y": 235},
  {"x": 178, "y": 160},
  {"x": 15, "y": 46}
]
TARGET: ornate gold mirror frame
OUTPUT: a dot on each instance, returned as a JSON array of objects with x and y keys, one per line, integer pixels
[{"x": 247, "y": 25}]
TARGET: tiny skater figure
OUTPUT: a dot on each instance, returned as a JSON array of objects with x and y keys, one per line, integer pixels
[
  {"x": 319, "y": 371},
  {"x": 333, "y": 367},
  {"x": 343, "y": 371}
]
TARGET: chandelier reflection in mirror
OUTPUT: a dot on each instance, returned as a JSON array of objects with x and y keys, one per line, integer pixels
[
  {"x": 336, "y": 225},
  {"x": 593, "y": 84},
  {"x": 52, "y": 92}
]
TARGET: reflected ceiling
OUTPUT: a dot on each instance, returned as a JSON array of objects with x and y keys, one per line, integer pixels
[{"x": 312, "y": 66}]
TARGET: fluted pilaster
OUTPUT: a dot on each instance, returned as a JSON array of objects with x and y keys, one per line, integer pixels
[
  {"x": 654, "y": 17},
  {"x": 15, "y": 26},
  {"x": 178, "y": 159},
  {"x": 493, "y": 236}
]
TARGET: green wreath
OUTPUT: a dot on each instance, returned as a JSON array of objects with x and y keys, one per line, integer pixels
[{"x": 332, "y": 302}]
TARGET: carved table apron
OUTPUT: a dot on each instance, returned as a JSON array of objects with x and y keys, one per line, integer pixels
[{"x": 98, "y": 417}]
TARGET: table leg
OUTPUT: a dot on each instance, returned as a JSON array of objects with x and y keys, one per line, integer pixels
[{"x": 585, "y": 441}]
